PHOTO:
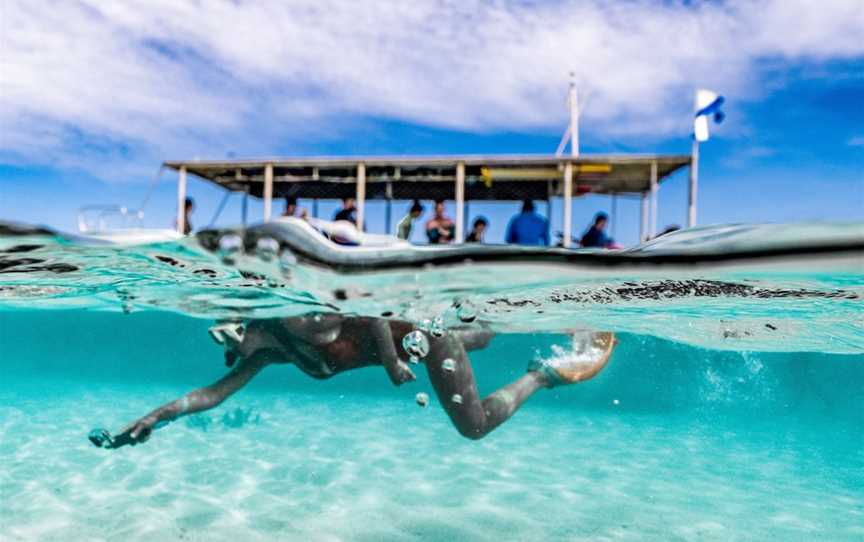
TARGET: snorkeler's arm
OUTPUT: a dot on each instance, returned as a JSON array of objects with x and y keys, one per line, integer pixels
[
  {"x": 196, "y": 401},
  {"x": 397, "y": 370}
]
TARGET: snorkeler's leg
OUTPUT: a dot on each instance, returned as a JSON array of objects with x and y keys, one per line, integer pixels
[
  {"x": 195, "y": 401},
  {"x": 456, "y": 388},
  {"x": 475, "y": 418}
]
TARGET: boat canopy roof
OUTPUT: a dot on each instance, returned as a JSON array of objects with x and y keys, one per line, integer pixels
[{"x": 495, "y": 177}]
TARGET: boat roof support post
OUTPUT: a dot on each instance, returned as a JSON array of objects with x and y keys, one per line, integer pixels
[
  {"x": 613, "y": 215},
  {"x": 643, "y": 218},
  {"x": 694, "y": 183},
  {"x": 238, "y": 176},
  {"x": 361, "y": 194},
  {"x": 568, "y": 204},
  {"x": 181, "y": 200},
  {"x": 388, "y": 211},
  {"x": 268, "y": 191},
  {"x": 460, "y": 202},
  {"x": 654, "y": 189},
  {"x": 244, "y": 210}
]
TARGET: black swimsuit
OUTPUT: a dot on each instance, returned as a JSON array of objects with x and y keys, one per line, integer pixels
[
  {"x": 305, "y": 356},
  {"x": 313, "y": 365}
]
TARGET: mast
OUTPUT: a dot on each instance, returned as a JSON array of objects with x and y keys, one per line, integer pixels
[
  {"x": 573, "y": 101},
  {"x": 694, "y": 183}
]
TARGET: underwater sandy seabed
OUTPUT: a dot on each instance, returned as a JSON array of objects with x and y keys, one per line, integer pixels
[{"x": 701, "y": 445}]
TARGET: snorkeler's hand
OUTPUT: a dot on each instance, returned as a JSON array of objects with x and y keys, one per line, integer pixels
[
  {"x": 140, "y": 430},
  {"x": 400, "y": 373}
]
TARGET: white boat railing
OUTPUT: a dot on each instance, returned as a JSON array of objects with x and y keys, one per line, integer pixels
[{"x": 105, "y": 218}]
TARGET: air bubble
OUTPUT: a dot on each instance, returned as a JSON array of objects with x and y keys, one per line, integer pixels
[
  {"x": 267, "y": 248},
  {"x": 425, "y": 325},
  {"x": 287, "y": 260},
  {"x": 457, "y": 399},
  {"x": 466, "y": 312},
  {"x": 437, "y": 328},
  {"x": 422, "y": 399},
  {"x": 229, "y": 246},
  {"x": 416, "y": 344},
  {"x": 616, "y": 402},
  {"x": 449, "y": 365}
]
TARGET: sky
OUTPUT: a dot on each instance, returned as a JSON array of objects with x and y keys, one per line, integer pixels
[{"x": 95, "y": 95}]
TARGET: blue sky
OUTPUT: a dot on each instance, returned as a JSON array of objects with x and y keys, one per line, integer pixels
[{"x": 95, "y": 96}]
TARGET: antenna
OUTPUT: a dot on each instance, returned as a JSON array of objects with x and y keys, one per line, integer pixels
[
  {"x": 571, "y": 134},
  {"x": 573, "y": 102}
]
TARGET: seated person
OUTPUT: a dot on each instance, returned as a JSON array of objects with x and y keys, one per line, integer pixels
[
  {"x": 595, "y": 236},
  {"x": 404, "y": 227},
  {"x": 477, "y": 230},
  {"x": 290, "y": 206},
  {"x": 348, "y": 212},
  {"x": 440, "y": 229}
]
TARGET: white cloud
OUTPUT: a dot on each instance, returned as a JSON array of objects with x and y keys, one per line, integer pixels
[
  {"x": 856, "y": 141},
  {"x": 141, "y": 81}
]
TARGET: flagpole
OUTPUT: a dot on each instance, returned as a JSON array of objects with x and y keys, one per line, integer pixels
[
  {"x": 694, "y": 182},
  {"x": 567, "y": 226},
  {"x": 574, "y": 118}
]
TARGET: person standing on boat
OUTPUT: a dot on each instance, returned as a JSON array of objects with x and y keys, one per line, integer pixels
[
  {"x": 290, "y": 206},
  {"x": 440, "y": 229},
  {"x": 528, "y": 227},
  {"x": 403, "y": 228},
  {"x": 595, "y": 236},
  {"x": 188, "y": 207},
  {"x": 323, "y": 345},
  {"x": 478, "y": 229}
]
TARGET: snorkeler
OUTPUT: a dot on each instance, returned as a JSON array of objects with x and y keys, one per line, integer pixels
[{"x": 323, "y": 345}]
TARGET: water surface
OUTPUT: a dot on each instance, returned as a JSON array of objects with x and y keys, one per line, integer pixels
[{"x": 730, "y": 411}]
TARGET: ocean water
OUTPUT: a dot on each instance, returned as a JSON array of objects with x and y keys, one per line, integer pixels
[{"x": 731, "y": 408}]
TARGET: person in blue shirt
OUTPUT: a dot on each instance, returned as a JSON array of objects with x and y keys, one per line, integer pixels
[
  {"x": 595, "y": 236},
  {"x": 528, "y": 227}
]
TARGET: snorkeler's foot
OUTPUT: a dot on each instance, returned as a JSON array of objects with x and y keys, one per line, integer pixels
[{"x": 588, "y": 358}]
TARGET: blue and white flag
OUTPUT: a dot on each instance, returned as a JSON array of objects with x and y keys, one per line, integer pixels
[{"x": 707, "y": 104}]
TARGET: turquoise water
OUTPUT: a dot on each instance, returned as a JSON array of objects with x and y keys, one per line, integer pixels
[{"x": 725, "y": 414}]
